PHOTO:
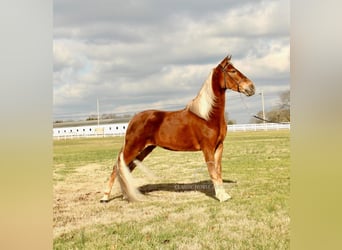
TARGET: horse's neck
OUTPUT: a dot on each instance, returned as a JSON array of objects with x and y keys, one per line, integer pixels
[
  {"x": 217, "y": 112},
  {"x": 218, "y": 109}
]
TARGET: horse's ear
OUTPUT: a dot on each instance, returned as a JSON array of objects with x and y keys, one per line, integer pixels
[{"x": 225, "y": 60}]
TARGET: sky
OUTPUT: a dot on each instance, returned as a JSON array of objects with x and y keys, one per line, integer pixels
[{"x": 156, "y": 54}]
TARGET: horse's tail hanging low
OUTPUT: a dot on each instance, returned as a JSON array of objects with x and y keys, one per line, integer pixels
[{"x": 126, "y": 180}]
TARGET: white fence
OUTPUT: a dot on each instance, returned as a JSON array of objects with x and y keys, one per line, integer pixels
[
  {"x": 258, "y": 127},
  {"x": 119, "y": 129}
]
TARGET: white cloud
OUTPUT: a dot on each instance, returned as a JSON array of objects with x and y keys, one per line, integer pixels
[
  {"x": 141, "y": 56},
  {"x": 273, "y": 60},
  {"x": 253, "y": 19}
]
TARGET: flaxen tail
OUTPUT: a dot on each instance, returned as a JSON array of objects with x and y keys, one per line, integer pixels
[{"x": 127, "y": 184}]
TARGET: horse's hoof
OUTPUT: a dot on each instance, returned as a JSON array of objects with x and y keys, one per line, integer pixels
[
  {"x": 104, "y": 201},
  {"x": 223, "y": 196}
]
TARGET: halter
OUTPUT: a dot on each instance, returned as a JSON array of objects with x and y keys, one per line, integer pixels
[{"x": 227, "y": 73}]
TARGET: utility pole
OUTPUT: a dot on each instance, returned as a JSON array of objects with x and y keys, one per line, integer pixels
[
  {"x": 263, "y": 105},
  {"x": 98, "y": 112}
]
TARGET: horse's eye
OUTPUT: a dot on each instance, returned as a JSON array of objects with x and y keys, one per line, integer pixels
[{"x": 233, "y": 71}]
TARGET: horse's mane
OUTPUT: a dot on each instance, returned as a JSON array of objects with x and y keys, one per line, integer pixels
[{"x": 202, "y": 104}]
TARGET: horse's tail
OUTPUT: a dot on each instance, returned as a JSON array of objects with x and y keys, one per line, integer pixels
[{"x": 126, "y": 180}]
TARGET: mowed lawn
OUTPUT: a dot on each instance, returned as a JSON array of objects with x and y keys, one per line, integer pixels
[{"x": 178, "y": 210}]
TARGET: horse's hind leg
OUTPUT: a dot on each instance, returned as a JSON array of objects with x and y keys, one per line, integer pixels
[
  {"x": 132, "y": 151},
  {"x": 141, "y": 156},
  {"x": 105, "y": 197}
]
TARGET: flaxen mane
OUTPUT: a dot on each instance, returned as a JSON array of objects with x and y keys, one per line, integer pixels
[{"x": 202, "y": 104}]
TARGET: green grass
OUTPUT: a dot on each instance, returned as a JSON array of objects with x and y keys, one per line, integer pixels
[
  {"x": 256, "y": 174},
  {"x": 71, "y": 153}
]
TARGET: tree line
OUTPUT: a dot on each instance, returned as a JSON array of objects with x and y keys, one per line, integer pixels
[{"x": 280, "y": 113}]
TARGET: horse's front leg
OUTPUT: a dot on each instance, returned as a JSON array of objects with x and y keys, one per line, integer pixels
[
  {"x": 213, "y": 160},
  {"x": 220, "y": 193}
]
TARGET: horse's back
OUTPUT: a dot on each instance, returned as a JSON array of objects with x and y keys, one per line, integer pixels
[
  {"x": 146, "y": 118},
  {"x": 173, "y": 130},
  {"x": 168, "y": 129}
]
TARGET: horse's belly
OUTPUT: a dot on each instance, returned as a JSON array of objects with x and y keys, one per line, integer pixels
[
  {"x": 181, "y": 147},
  {"x": 177, "y": 139}
]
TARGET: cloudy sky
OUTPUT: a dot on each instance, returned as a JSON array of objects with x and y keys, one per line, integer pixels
[{"x": 137, "y": 55}]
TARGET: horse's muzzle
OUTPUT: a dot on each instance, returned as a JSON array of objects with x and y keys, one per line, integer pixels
[{"x": 248, "y": 88}]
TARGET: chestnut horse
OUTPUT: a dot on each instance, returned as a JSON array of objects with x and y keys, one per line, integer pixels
[{"x": 200, "y": 125}]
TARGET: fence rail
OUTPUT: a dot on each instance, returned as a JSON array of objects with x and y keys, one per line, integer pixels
[
  {"x": 258, "y": 127},
  {"x": 119, "y": 129}
]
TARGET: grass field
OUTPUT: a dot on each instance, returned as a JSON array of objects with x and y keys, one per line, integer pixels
[{"x": 178, "y": 210}]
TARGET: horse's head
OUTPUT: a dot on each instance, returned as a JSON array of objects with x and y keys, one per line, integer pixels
[{"x": 232, "y": 78}]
